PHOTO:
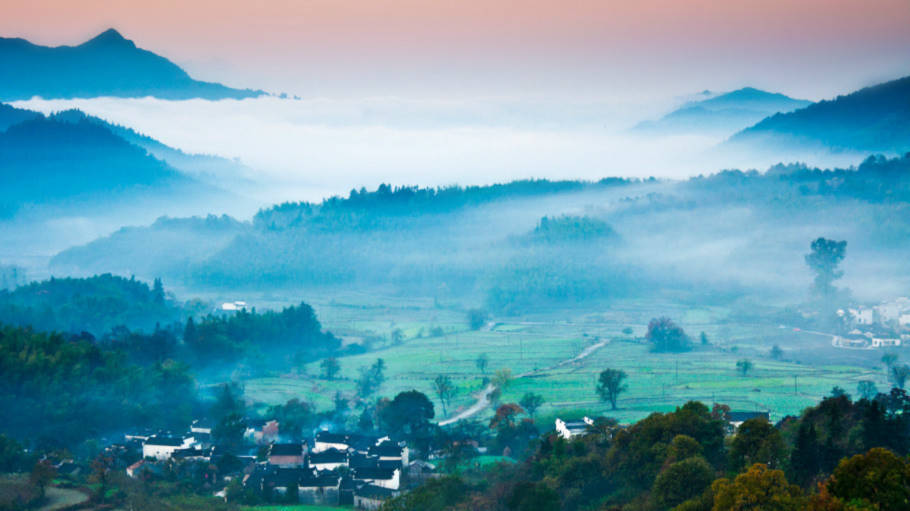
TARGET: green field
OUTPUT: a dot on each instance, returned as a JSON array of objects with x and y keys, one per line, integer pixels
[{"x": 537, "y": 343}]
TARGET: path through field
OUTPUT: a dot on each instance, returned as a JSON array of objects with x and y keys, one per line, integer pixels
[
  {"x": 483, "y": 397},
  {"x": 61, "y": 498}
]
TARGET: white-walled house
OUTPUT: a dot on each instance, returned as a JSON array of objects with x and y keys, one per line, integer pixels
[
  {"x": 568, "y": 429},
  {"x": 162, "y": 447}
]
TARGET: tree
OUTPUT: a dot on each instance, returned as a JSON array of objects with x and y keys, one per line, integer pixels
[
  {"x": 528, "y": 496},
  {"x": 158, "y": 292},
  {"x": 757, "y": 489},
  {"x": 704, "y": 339},
  {"x": 531, "y": 402},
  {"x": 824, "y": 259},
  {"x": 744, "y": 366},
  {"x": 228, "y": 400},
  {"x": 889, "y": 359},
  {"x": 330, "y": 368},
  {"x": 667, "y": 336},
  {"x": 777, "y": 353},
  {"x": 899, "y": 375},
  {"x": 397, "y": 336},
  {"x": 610, "y": 385},
  {"x": 445, "y": 390},
  {"x": 878, "y": 479},
  {"x": 866, "y": 389},
  {"x": 477, "y": 318},
  {"x": 371, "y": 378},
  {"x": 482, "y": 361},
  {"x": 408, "y": 414},
  {"x": 503, "y": 378},
  {"x": 757, "y": 441},
  {"x": 229, "y": 431},
  {"x": 682, "y": 481},
  {"x": 505, "y": 416},
  {"x": 42, "y": 474}
]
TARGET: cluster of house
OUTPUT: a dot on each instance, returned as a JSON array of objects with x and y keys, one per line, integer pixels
[
  {"x": 329, "y": 469},
  {"x": 882, "y": 326}
]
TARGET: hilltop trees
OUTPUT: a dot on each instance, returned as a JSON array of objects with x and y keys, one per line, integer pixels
[
  {"x": 610, "y": 385},
  {"x": 667, "y": 336},
  {"x": 824, "y": 259},
  {"x": 477, "y": 318}
]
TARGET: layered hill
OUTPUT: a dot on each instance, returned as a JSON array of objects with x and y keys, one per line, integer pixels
[
  {"x": 107, "y": 65},
  {"x": 723, "y": 114},
  {"x": 872, "y": 119}
]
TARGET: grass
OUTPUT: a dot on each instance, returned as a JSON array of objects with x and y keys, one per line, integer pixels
[{"x": 656, "y": 382}]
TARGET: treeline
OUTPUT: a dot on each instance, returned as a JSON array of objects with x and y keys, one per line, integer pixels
[
  {"x": 95, "y": 305},
  {"x": 362, "y": 209},
  {"x": 294, "y": 330},
  {"x": 838, "y": 456}
]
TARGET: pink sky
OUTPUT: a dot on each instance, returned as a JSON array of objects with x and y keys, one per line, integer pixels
[{"x": 807, "y": 48}]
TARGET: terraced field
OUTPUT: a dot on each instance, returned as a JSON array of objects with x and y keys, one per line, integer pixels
[{"x": 436, "y": 341}]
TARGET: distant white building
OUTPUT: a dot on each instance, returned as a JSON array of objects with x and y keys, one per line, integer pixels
[
  {"x": 233, "y": 306},
  {"x": 162, "y": 447},
  {"x": 568, "y": 429}
]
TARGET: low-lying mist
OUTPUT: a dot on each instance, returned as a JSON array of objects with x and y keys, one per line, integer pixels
[{"x": 313, "y": 148}]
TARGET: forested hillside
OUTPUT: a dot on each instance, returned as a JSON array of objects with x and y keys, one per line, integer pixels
[{"x": 872, "y": 119}]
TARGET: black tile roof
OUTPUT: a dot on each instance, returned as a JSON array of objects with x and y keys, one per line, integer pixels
[
  {"x": 169, "y": 441},
  {"x": 744, "y": 416},
  {"x": 387, "y": 449},
  {"x": 328, "y": 456},
  {"x": 286, "y": 450},
  {"x": 373, "y": 473}
]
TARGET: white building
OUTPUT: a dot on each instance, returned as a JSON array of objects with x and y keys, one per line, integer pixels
[
  {"x": 568, "y": 429},
  {"x": 161, "y": 447}
]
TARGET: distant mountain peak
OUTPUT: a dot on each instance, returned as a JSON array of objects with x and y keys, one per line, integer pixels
[
  {"x": 110, "y": 37},
  {"x": 106, "y": 65}
]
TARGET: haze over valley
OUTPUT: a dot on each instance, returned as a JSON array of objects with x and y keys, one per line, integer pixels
[{"x": 335, "y": 261}]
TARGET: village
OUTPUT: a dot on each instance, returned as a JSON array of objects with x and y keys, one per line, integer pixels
[
  {"x": 331, "y": 468},
  {"x": 886, "y": 325}
]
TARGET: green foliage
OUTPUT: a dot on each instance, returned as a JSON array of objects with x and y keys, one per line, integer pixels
[
  {"x": 878, "y": 479},
  {"x": 477, "y": 318},
  {"x": 564, "y": 229},
  {"x": 531, "y": 402},
  {"x": 436, "y": 495},
  {"x": 96, "y": 305},
  {"x": 825, "y": 257},
  {"x": 682, "y": 481},
  {"x": 445, "y": 391},
  {"x": 291, "y": 331},
  {"x": 610, "y": 385},
  {"x": 667, "y": 336},
  {"x": 758, "y": 488},
  {"x": 757, "y": 441},
  {"x": 66, "y": 389},
  {"x": 744, "y": 366}
]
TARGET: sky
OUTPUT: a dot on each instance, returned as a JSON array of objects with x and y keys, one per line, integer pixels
[{"x": 579, "y": 48}]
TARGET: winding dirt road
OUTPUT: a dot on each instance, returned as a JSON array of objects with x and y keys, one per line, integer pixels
[{"x": 483, "y": 397}]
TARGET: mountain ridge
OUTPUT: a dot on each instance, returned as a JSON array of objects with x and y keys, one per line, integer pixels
[
  {"x": 106, "y": 65},
  {"x": 722, "y": 114},
  {"x": 871, "y": 119}
]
